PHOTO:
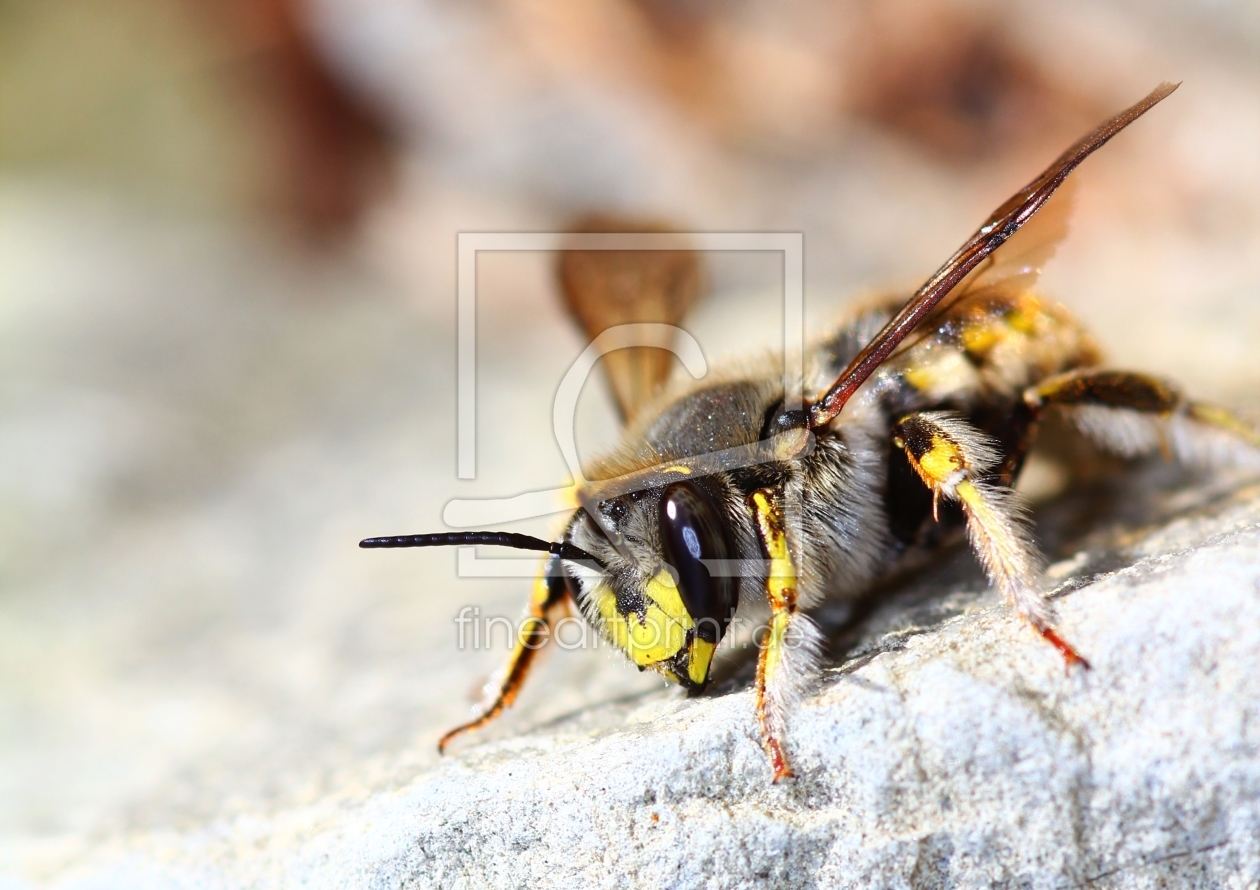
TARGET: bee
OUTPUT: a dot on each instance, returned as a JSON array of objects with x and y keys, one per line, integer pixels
[{"x": 728, "y": 495}]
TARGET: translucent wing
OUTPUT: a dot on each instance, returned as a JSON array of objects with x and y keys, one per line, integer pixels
[
  {"x": 997, "y": 230},
  {"x": 1012, "y": 268},
  {"x": 1017, "y": 264},
  {"x": 606, "y": 288}
]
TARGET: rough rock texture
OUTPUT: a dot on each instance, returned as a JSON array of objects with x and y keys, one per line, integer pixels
[
  {"x": 203, "y": 683},
  {"x": 957, "y": 757},
  {"x": 949, "y": 749}
]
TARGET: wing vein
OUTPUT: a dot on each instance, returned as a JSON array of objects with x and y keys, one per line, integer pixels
[{"x": 1001, "y": 225}]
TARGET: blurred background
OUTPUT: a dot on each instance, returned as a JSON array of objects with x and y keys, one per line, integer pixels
[{"x": 227, "y": 306}]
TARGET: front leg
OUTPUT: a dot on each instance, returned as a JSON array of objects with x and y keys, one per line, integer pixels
[
  {"x": 549, "y": 595},
  {"x": 789, "y": 648},
  {"x": 950, "y": 456}
]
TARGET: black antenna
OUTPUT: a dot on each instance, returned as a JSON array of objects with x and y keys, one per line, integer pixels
[{"x": 562, "y": 549}]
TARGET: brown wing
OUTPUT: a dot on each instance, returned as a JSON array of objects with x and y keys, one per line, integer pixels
[
  {"x": 605, "y": 288},
  {"x": 1018, "y": 262},
  {"x": 1000, "y": 227},
  {"x": 1012, "y": 268}
]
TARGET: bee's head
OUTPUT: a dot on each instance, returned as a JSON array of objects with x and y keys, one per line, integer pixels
[
  {"x": 658, "y": 573},
  {"x": 669, "y": 582}
]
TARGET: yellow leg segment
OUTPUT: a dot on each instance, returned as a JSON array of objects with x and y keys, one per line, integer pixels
[
  {"x": 549, "y": 594},
  {"x": 1226, "y": 422},
  {"x": 781, "y": 594},
  {"x": 949, "y": 455}
]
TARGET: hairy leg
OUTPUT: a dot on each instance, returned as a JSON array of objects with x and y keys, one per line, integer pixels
[
  {"x": 549, "y": 595},
  {"x": 789, "y": 648},
  {"x": 952, "y": 457},
  {"x": 1133, "y": 414}
]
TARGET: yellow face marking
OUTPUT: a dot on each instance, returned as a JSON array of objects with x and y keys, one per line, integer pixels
[
  {"x": 614, "y": 623},
  {"x": 686, "y": 471},
  {"x": 663, "y": 592},
  {"x": 698, "y": 660},
  {"x": 660, "y": 633}
]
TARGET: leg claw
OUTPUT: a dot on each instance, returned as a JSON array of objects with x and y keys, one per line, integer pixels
[{"x": 1070, "y": 655}]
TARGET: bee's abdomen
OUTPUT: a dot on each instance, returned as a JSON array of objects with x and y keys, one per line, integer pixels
[
  {"x": 977, "y": 359},
  {"x": 983, "y": 352}
]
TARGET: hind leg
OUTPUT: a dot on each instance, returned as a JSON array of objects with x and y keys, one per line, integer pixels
[{"x": 1132, "y": 414}]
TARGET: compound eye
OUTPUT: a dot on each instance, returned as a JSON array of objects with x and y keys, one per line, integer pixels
[{"x": 694, "y": 530}]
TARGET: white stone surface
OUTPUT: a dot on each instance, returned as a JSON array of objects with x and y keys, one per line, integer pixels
[
  {"x": 955, "y": 755},
  {"x": 204, "y": 684}
]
